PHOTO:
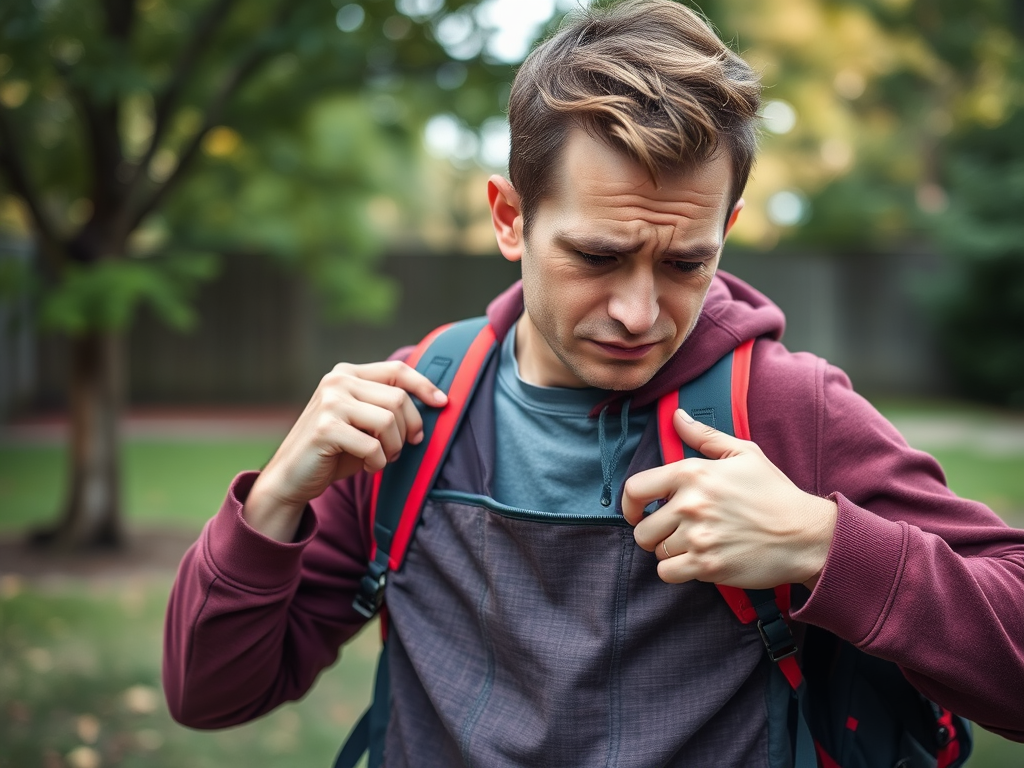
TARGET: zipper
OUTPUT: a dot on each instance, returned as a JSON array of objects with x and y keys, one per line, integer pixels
[{"x": 517, "y": 513}]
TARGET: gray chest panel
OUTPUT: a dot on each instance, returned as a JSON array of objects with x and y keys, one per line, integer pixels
[
  {"x": 520, "y": 639},
  {"x": 539, "y": 643}
]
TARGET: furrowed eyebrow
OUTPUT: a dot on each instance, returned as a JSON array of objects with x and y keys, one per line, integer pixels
[{"x": 604, "y": 246}]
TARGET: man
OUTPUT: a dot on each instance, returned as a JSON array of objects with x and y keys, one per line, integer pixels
[{"x": 541, "y": 617}]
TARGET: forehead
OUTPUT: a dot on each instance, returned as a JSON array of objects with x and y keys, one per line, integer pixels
[{"x": 602, "y": 186}]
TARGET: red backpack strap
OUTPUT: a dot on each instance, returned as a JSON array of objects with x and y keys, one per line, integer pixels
[
  {"x": 452, "y": 357},
  {"x": 718, "y": 398}
]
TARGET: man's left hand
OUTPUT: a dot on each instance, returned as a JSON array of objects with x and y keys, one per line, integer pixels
[{"x": 733, "y": 518}]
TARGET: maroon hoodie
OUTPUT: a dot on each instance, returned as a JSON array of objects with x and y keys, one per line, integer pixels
[{"x": 914, "y": 575}]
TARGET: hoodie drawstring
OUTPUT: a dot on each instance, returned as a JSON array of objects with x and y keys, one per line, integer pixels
[{"x": 608, "y": 465}]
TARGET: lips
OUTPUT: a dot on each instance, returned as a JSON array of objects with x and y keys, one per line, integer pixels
[{"x": 624, "y": 351}]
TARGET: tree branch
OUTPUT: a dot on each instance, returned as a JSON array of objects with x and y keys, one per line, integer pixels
[
  {"x": 246, "y": 67},
  {"x": 167, "y": 100},
  {"x": 17, "y": 177}
]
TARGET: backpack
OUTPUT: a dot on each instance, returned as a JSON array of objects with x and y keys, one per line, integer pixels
[{"x": 846, "y": 709}]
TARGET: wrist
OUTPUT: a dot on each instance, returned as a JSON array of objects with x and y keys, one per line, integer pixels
[
  {"x": 268, "y": 513},
  {"x": 822, "y": 526}
]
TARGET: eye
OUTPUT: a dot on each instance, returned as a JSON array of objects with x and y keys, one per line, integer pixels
[
  {"x": 595, "y": 261},
  {"x": 687, "y": 267}
]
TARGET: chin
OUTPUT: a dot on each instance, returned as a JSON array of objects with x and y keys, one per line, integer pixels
[{"x": 618, "y": 379}]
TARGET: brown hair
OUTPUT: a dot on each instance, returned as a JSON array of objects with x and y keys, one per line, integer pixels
[{"x": 649, "y": 77}]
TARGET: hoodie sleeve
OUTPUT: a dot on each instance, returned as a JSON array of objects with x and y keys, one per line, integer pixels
[
  {"x": 251, "y": 622},
  {"x": 915, "y": 574}
]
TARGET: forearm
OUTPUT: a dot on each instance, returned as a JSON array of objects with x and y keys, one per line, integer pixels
[{"x": 252, "y": 621}]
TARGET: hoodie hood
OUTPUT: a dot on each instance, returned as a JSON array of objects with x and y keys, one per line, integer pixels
[{"x": 733, "y": 313}]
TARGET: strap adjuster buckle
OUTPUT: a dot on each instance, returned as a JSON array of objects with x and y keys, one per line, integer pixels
[
  {"x": 370, "y": 596},
  {"x": 778, "y": 640}
]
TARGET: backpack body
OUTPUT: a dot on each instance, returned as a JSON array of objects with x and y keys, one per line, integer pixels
[{"x": 537, "y": 637}]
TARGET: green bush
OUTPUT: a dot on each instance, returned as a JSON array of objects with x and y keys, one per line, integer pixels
[{"x": 978, "y": 305}]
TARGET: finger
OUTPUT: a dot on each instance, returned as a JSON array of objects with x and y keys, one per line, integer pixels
[
  {"x": 647, "y": 486},
  {"x": 351, "y": 441},
  {"x": 394, "y": 399},
  {"x": 398, "y": 374},
  {"x": 673, "y": 546},
  {"x": 379, "y": 423},
  {"x": 667, "y": 522},
  {"x": 678, "y": 569},
  {"x": 708, "y": 440}
]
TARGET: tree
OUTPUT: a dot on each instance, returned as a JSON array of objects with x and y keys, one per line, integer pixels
[{"x": 140, "y": 138}]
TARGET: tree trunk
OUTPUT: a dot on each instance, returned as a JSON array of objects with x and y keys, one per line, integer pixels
[{"x": 92, "y": 512}]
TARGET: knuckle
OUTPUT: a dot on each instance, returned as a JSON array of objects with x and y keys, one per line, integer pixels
[
  {"x": 699, "y": 470},
  {"x": 396, "y": 399},
  {"x": 630, "y": 488},
  {"x": 388, "y": 420},
  {"x": 376, "y": 460},
  {"x": 342, "y": 369},
  {"x": 328, "y": 380},
  {"x": 330, "y": 397},
  {"x": 335, "y": 379},
  {"x": 710, "y": 566},
  {"x": 702, "y": 539},
  {"x": 323, "y": 426}
]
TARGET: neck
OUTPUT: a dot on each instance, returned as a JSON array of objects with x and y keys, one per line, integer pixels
[{"x": 538, "y": 365}]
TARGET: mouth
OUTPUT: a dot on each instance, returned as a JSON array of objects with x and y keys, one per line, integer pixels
[{"x": 624, "y": 351}]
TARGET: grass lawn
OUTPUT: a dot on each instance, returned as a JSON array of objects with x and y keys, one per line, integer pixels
[
  {"x": 80, "y": 687},
  {"x": 166, "y": 483},
  {"x": 997, "y": 481}
]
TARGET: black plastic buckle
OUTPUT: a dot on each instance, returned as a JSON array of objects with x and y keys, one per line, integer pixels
[
  {"x": 371, "y": 591},
  {"x": 783, "y": 645}
]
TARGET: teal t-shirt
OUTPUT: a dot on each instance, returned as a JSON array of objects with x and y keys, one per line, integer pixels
[{"x": 547, "y": 448}]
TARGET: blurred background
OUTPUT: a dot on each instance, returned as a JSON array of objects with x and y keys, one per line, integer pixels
[{"x": 205, "y": 204}]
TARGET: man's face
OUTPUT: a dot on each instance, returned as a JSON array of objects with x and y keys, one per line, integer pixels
[{"x": 615, "y": 269}]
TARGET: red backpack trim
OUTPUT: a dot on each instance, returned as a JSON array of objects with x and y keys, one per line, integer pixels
[{"x": 672, "y": 450}]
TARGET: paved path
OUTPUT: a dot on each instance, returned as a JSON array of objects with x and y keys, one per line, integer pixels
[
  {"x": 166, "y": 424},
  {"x": 981, "y": 434}
]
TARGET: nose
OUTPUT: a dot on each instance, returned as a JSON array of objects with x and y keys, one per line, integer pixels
[{"x": 634, "y": 302}]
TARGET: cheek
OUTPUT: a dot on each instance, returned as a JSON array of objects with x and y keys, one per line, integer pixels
[
  {"x": 554, "y": 297},
  {"x": 684, "y": 310}
]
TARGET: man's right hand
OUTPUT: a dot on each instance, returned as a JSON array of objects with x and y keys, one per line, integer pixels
[{"x": 359, "y": 418}]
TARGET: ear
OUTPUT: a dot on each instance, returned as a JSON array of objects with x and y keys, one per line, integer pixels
[
  {"x": 734, "y": 215},
  {"x": 506, "y": 217}
]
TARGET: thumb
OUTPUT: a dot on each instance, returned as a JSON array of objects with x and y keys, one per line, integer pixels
[{"x": 708, "y": 440}]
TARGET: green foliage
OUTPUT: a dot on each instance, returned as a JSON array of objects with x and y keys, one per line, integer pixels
[
  {"x": 107, "y": 295},
  {"x": 216, "y": 126},
  {"x": 944, "y": 75},
  {"x": 979, "y": 306}
]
